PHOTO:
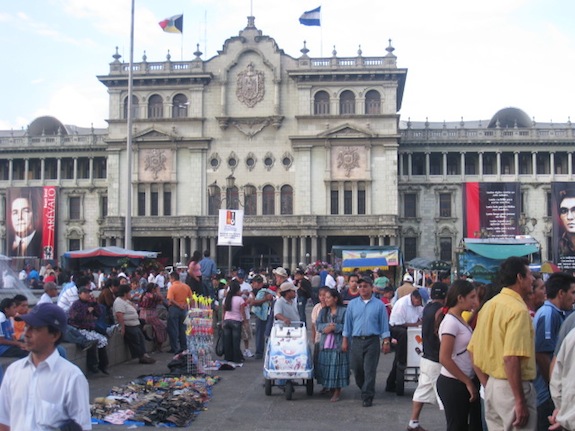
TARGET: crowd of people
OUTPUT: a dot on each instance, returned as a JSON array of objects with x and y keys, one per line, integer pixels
[{"x": 496, "y": 356}]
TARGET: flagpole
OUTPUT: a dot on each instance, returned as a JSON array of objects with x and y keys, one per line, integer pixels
[{"x": 128, "y": 223}]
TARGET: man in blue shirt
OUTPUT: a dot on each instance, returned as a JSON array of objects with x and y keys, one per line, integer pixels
[
  {"x": 208, "y": 269},
  {"x": 547, "y": 322},
  {"x": 365, "y": 323}
]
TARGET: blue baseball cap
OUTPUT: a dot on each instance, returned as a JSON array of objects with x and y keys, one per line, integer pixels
[
  {"x": 45, "y": 315},
  {"x": 241, "y": 273}
]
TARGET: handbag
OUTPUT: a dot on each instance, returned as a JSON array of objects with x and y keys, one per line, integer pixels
[{"x": 220, "y": 342}]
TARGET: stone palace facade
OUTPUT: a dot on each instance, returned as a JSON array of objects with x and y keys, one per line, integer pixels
[{"x": 312, "y": 149}]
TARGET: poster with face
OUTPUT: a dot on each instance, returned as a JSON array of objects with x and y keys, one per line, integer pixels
[
  {"x": 31, "y": 221},
  {"x": 563, "y": 211}
]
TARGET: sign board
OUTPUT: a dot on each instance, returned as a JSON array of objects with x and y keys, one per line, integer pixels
[{"x": 230, "y": 227}]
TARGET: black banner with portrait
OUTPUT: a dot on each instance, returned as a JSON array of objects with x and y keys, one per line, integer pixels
[{"x": 563, "y": 211}]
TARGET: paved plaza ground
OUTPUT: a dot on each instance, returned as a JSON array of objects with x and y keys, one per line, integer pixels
[{"x": 239, "y": 403}]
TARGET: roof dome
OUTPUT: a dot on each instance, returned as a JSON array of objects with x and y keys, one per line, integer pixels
[
  {"x": 48, "y": 126},
  {"x": 508, "y": 118}
]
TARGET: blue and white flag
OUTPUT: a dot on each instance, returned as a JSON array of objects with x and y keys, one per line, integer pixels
[{"x": 311, "y": 17}]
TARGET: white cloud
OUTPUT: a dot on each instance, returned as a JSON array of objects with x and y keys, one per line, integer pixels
[{"x": 79, "y": 103}]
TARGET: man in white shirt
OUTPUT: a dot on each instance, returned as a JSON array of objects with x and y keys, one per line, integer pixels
[
  {"x": 161, "y": 280},
  {"x": 407, "y": 312},
  {"x": 44, "y": 391},
  {"x": 50, "y": 291},
  {"x": 330, "y": 280}
]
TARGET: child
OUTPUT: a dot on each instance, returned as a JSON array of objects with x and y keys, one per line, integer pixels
[{"x": 386, "y": 297}]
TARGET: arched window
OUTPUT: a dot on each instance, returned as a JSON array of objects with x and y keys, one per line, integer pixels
[
  {"x": 321, "y": 103},
  {"x": 250, "y": 200},
  {"x": 180, "y": 106},
  {"x": 286, "y": 198},
  {"x": 372, "y": 103},
  {"x": 347, "y": 103},
  {"x": 155, "y": 107},
  {"x": 135, "y": 107},
  {"x": 268, "y": 200},
  {"x": 214, "y": 200}
]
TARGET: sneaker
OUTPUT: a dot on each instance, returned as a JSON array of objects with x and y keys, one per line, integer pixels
[
  {"x": 248, "y": 353},
  {"x": 111, "y": 330},
  {"x": 417, "y": 428}
]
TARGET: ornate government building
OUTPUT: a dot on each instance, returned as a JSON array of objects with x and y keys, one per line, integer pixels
[{"x": 312, "y": 149}]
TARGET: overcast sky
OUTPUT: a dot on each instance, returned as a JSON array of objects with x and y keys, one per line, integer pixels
[{"x": 465, "y": 59}]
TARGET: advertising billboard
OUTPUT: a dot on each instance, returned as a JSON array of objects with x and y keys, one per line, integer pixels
[
  {"x": 491, "y": 210},
  {"x": 31, "y": 222},
  {"x": 563, "y": 214}
]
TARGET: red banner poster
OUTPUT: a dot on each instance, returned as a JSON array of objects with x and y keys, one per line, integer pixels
[
  {"x": 49, "y": 223},
  {"x": 491, "y": 210}
]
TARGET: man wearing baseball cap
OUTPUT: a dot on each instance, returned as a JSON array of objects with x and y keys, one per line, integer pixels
[
  {"x": 43, "y": 390},
  {"x": 406, "y": 288}
]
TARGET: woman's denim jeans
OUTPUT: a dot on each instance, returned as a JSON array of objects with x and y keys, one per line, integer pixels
[{"x": 232, "y": 341}]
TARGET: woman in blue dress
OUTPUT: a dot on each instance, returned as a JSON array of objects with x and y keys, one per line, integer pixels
[{"x": 333, "y": 363}]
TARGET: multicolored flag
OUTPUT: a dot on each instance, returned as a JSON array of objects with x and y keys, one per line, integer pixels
[
  {"x": 174, "y": 24},
  {"x": 311, "y": 17}
]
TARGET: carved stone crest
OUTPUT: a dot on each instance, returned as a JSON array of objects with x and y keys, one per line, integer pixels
[
  {"x": 251, "y": 87},
  {"x": 155, "y": 162},
  {"x": 348, "y": 159}
]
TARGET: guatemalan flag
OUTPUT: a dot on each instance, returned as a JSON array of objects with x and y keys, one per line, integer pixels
[
  {"x": 174, "y": 24},
  {"x": 311, "y": 17}
]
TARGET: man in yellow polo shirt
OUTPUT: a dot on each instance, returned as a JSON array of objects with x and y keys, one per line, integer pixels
[{"x": 503, "y": 351}]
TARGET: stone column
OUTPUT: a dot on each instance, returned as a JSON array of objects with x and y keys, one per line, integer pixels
[
  {"x": 552, "y": 165},
  {"x": 323, "y": 256},
  {"x": 444, "y": 160},
  {"x": 427, "y": 165},
  {"x": 182, "y": 249},
  {"x": 302, "y": 249},
  {"x": 11, "y": 169},
  {"x": 371, "y": 240},
  {"x": 26, "y": 169},
  {"x": 212, "y": 248},
  {"x": 409, "y": 160},
  {"x": 293, "y": 261},
  {"x": 534, "y": 163},
  {"x": 498, "y": 162},
  {"x": 91, "y": 169},
  {"x": 313, "y": 256},
  {"x": 193, "y": 243},
  {"x": 175, "y": 244},
  {"x": 480, "y": 164},
  {"x": 569, "y": 164},
  {"x": 516, "y": 163}
]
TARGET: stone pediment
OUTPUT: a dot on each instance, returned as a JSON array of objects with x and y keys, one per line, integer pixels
[
  {"x": 347, "y": 131},
  {"x": 152, "y": 133},
  {"x": 250, "y": 126}
]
